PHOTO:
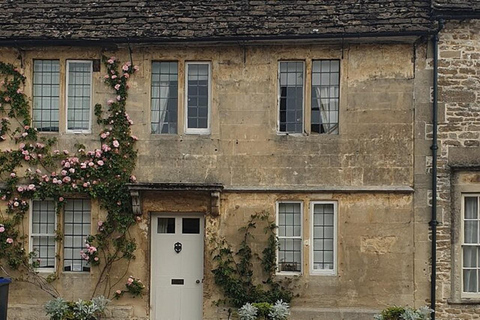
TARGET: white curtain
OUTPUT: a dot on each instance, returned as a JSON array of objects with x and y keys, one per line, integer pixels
[
  {"x": 160, "y": 104},
  {"x": 328, "y": 125}
]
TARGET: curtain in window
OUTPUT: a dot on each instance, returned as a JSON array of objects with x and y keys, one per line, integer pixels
[
  {"x": 159, "y": 118},
  {"x": 327, "y": 120}
]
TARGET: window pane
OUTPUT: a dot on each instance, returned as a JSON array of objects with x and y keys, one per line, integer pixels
[
  {"x": 289, "y": 255},
  {"x": 78, "y": 95},
  {"x": 470, "y": 257},
  {"x": 291, "y": 88},
  {"x": 471, "y": 208},
  {"x": 77, "y": 223},
  {"x": 325, "y": 96},
  {"x": 289, "y": 218},
  {"x": 164, "y": 101},
  {"x": 166, "y": 225},
  {"x": 45, "y": 94},
  {"x": 471, "y": 231},
  {"x": 323, "y": 236},
  {"x": 190, "y": 225},
  {"x": 197, "y": 95},
  {"x": 470, "y": 280}
]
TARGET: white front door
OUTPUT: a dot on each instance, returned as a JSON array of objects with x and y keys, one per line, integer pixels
[{"x": 177, "y": 267}]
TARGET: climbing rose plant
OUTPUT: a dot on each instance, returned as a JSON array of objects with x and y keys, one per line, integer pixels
[{"x": 34, "y": 169}]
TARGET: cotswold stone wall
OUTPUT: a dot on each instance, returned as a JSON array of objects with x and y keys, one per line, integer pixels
[
  {"x": 458, "y": 157},
  {"x": 367, "y": 169}
]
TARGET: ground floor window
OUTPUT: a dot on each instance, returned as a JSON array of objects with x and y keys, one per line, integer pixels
[
  {"x": 471, "y": 244},
  {"x": 289, "y": 222},
  {"x": 323, "y": 234},
  {"x": 72, "y": 222}
]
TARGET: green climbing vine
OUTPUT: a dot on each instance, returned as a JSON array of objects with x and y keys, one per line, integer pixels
[
  {"x": 234, "y": 270},
  {"x": 33, "y": 170}
]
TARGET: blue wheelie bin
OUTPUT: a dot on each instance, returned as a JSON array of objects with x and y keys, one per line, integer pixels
[{"x": 4, "y": 283}]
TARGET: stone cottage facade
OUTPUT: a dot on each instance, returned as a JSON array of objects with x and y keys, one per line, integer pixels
[
  {"x": 457, "y": 161},
  {"x": 319, "y": 115}
]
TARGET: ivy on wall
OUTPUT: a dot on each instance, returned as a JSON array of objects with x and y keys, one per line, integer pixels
[
  {"x": 234, "y": 270},
  {"x": 34, "y": 170}
]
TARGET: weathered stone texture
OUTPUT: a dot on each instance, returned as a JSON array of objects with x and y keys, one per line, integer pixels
[
  {"x": 374, "y": 149},
  {"x": 459, "y": 132}
]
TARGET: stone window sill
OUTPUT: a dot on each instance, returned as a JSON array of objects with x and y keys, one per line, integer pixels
[{"x": 464, "y": 301}]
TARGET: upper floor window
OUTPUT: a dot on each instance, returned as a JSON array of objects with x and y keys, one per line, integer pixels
[
  {"x": 198, "y": 98},
  {"x": 471, "y": 245},
  {"x": 79, "y": 96},
  {"x": 164, "y": 109},
  {"x": 324, "y": 103},
  {"x": 289, "y": 232},
  {"x": 291, "y": 84},
  {"x": 325, "y": 96},
  {"x": 46, "y": 94}
]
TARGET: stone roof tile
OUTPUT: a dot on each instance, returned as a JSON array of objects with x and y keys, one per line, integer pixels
[
  {"x": 166, "y": 20},
  {"x": 456, "y": 6}
]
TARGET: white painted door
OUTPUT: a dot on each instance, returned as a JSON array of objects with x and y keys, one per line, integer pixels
[{"x": 177, "y": 267}]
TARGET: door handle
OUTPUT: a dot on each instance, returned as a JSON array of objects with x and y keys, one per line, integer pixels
[{"x": 198, "y": 281}]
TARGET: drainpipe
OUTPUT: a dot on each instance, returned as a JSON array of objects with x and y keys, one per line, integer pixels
[{"x": 433, "y": 223}]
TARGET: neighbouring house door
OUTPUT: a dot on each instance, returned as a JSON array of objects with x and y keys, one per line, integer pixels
[{"x": 177, "y": 267}]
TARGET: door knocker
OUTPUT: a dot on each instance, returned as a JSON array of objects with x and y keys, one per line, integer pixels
[{"x": 177, "y": 247}]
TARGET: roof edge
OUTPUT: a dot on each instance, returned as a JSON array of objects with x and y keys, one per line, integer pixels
[{"x": 293, "y": 38}]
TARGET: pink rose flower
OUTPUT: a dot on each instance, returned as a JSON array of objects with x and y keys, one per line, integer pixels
[
  {"x": 2, "y": 229},
  {"x": 9, "y": 240},
  {"x": 116, "y": 144},
  {"x": 117, "y": 87}
]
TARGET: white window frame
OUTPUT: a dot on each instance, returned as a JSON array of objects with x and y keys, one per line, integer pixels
[
  {"x": 198, "y": 130},
  {"x": 89, "y": 130},
  {"x": 293, "y": 237},
  {"x": 32, "y": 235},
  {"x": 464, "y": 294},
  {"x": 324, "y": 272},
  {"x": 279, "y": 96}
]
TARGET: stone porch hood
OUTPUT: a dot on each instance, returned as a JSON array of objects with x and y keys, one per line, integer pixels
[{"x": 213, "y": 189}]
